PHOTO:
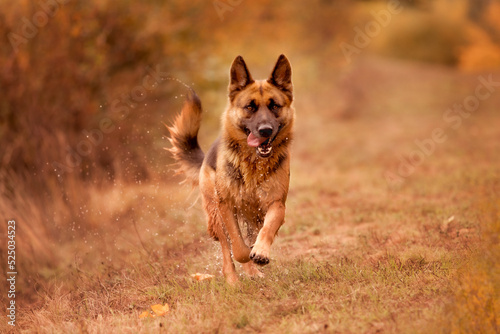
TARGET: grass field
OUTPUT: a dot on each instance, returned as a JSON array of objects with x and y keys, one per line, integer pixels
[
  {"x": 358, "y": 253},
  {"x": 393, "y": 214}
]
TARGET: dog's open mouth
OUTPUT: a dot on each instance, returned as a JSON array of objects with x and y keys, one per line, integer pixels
[
  {"x": 262, "y": 145},
  {"x": 264, "y": 149}
]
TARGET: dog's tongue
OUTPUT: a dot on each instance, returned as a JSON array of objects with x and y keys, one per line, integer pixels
[{"x": 254, "y": 141}]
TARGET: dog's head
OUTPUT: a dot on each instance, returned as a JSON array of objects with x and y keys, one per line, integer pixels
[{"x": 261, "y": 111}]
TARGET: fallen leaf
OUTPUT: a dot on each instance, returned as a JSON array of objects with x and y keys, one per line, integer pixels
[
  {"x": 160, "y": 310},
  {"x": 445, "y": 225},
  {"x": 463, "y": 232},
  {"x": 202, "y": 277},
  {"x": 145, "y": 314}
]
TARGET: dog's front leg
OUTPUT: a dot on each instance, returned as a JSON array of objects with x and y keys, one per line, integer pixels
[
  {"x": 275, "y": 217},
  {"x": 241, "y": 252}
]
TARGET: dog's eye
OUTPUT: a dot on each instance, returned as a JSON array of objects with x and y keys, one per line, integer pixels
[
  {"x": 273, "y": 106},
  {"x": 251, "y": 107}
]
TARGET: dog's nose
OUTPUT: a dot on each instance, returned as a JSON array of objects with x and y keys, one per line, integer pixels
[{"x": 265, "y": 131}]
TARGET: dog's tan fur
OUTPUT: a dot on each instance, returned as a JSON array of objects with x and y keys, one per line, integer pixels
[{"x": 242, "y": 186}]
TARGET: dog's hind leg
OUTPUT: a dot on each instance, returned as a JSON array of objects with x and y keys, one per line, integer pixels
[
  {"x": 252, "y": 227},
  {"x": 251, "y": 269}
]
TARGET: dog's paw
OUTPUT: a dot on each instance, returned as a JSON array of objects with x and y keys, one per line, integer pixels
[
  {"x": 259, "y": 256},
  {"x": 252, "y": 271},
  {"x": 259, "y": 259}
]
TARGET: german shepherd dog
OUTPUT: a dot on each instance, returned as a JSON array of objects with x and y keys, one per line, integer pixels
[{"x": 245, "y": 174}]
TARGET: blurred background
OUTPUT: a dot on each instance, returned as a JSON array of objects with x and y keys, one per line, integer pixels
[{"x": 86, "y": 87}]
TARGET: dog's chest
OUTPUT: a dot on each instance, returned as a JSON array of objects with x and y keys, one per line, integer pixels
[
  {"x": 254, "y": 191},
  {"x": 252, "y": 183}
]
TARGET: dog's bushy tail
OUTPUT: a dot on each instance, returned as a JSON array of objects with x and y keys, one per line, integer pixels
[{"x": 184, "y": 139}]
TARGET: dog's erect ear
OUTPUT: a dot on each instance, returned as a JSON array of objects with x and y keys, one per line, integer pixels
[
  {"x": 282, "y": 75},
  {"x": 240, "y": 76}
]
